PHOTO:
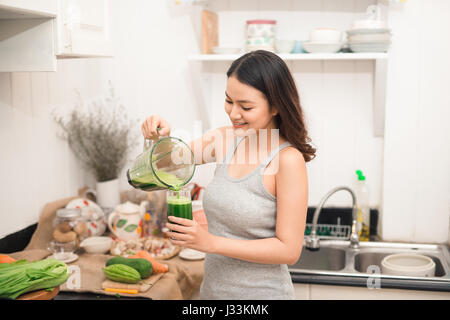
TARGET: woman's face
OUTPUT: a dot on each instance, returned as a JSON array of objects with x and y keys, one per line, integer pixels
[{"x": 247, "y": 107}]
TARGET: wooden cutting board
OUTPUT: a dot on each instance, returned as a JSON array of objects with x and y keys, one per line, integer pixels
[
  {"x": 141, "y": 286},
  {"x": 210, "y": 31},
  {"x": 39, "y": 295}
]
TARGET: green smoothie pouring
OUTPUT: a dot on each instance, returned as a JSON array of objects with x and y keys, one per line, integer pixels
[{"x": 167, "y": 164}]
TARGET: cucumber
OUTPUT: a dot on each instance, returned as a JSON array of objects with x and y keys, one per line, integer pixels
[
  {"x": 143, "y": 266},
  {"x": 122, "y": 273}
]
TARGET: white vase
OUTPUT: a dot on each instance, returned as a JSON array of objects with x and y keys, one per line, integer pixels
[{"x": 107, "y": 193}]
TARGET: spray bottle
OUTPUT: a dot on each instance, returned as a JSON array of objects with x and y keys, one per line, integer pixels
[{"x": 362, "y": 199}]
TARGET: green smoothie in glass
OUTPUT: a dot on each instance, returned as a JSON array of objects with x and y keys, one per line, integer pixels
[{"x": 179, "y": 204}]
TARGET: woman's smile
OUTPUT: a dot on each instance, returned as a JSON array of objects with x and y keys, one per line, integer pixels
[{"x": 239, "y": 124}]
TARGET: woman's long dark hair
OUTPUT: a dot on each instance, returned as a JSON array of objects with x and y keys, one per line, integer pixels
[{"x": 268, "y": 73}]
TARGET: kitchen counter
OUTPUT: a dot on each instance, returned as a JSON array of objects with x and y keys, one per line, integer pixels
[
  {"x": 355, "y": 281},
  {"x": 180, "y": 283}
]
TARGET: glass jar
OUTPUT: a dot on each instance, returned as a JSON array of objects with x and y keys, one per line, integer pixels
[{"x": 69, "y": 225}]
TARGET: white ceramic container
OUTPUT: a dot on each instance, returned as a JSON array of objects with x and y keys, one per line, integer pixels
[
  {"x": 284, "y": 45},
  {"x": 313, "y": 47},
  {"x": 96, "y": 244},
  {"x": 414, "y": 265}
]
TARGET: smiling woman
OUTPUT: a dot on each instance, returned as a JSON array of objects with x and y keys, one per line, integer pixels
[
  {"x": 265, "y": 78},
  {"x": 256, "y": 212}
]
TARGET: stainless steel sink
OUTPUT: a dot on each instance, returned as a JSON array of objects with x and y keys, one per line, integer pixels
[
  {"x": 371, "y": 254},
  {"x": 363, "y": 261},
  {"x": 327, "y": 258},
  {"x": 337, "y": 258}
]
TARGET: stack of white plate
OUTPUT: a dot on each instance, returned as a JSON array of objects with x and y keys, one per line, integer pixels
[{"x": 369, "y": 36}]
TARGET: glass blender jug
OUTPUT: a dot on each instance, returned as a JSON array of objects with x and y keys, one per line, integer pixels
[{"x": 165, "y": 164}]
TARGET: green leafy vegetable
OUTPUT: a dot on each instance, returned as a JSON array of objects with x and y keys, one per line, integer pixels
[{"x": 23, "y": 276}]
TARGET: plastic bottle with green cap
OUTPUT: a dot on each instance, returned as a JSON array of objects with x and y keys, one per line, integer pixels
[{"x": 362, "y": 199}]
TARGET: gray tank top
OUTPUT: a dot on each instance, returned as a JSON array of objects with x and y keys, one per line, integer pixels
[{"x": 242, "y": 208}]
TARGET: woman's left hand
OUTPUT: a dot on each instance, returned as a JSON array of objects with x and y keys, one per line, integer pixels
[{"x": 189, "y": 234}]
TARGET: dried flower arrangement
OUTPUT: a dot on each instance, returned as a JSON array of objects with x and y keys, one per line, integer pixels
[{"x": 100, "y": 135}]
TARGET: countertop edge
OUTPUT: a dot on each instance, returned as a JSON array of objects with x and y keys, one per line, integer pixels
[{"x": 428, "y": 285}]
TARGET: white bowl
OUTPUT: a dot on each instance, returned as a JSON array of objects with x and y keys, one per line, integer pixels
[
  {"x": 312, "y": 47},
  {"x": 96, "y": 244},
  {"x": 414, "y": 265},
  {"x": 284, "y": 46},
  {"x": 369, "y": 24},
  {"x": 325, "y": 35}
]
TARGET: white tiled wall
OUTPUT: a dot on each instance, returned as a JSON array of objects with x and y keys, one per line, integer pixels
[
  {"x": 37, "y": 166},
  {"x": 151, "y": 75},
  {"x": 415, "y": 185},
  {"x": 337, "y": 96},
  {"x": 337, "y": 100},
  {"x": 407, "y": 170}
]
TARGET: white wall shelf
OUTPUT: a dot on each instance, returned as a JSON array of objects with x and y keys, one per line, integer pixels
[
  {"x": 298, "y": 56},
  {"x": 379, "y": 84}
]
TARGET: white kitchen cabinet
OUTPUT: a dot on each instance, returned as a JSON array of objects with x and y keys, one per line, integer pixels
[
  {"x": 83, "y": 29},
  {"x": 302, "y": 291},
  {"x": 26, "y": 35},
  {"x": 34, "y": 33},
  {"x": 331, "y": 292},
  {"x": 46, "y": 8}
]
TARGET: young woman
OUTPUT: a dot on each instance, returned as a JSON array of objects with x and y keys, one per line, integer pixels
[{"x": 256, "y": 210}]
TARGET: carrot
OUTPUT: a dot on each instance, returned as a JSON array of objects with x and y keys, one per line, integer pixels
[
  {"x": 157, "y": 266},
  {"x": 6, "y": 259},
  {"x": 131, "y": 291}
]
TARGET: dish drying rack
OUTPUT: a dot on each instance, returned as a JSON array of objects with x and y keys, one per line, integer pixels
[{"x": 330, "y": 231}]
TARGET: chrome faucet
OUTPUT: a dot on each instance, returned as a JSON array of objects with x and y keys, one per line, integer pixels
[{"x": 312, "y": 242}]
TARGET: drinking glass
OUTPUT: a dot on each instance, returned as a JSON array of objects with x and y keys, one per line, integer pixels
[
  {"x": 62, "y": 250},
  {"x": 179, "y": 204}
]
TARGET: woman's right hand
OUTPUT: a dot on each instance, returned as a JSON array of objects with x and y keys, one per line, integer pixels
[{"x": 150, "y": 127}]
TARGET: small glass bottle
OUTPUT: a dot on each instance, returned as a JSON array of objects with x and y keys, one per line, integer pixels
[{"x": 362, "y": 197}]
